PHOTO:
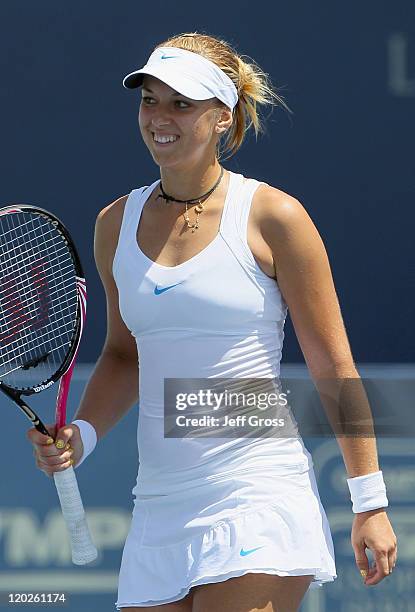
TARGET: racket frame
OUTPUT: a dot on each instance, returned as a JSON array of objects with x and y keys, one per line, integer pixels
[{"x": 83, "y": 549}]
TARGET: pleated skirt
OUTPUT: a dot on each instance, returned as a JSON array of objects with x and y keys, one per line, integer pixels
[{"x": 253, "y": 522}]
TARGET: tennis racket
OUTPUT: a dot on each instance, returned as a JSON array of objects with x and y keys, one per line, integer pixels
[{"x": 42, "y": 308}]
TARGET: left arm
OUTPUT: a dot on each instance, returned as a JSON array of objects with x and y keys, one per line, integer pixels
[{"x": 305, "y": 280}]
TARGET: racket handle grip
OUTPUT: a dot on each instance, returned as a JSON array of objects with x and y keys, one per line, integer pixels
[{"x": 83, "y": 549}]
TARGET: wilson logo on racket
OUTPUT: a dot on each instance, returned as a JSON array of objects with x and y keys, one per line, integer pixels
[
  {"x": 25, "y": 302},
  {"x": 43, "y": 387}
]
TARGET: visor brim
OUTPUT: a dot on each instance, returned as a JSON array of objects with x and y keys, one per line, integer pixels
[
  {"x": 133, "y": 80},
  {"x": 180, "y": 83}
]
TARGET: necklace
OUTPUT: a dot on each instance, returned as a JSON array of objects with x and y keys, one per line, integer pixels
[{"x": 198, "y": 209}]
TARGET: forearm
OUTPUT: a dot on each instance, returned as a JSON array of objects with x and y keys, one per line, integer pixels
[
  {"x": 347, "y": 408},
  {"x": 110, "y": 392},
  {"x": 359, "y": 454}
]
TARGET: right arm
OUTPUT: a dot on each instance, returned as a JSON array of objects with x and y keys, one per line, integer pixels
[{"x": 113, "y": 386}]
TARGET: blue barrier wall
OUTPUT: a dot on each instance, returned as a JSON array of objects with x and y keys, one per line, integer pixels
[
  {"x": 34, "y": 550},
  {"x": 71, "y": 143}
]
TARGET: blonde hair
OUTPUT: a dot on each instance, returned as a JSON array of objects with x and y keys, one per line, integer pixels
[{"x": 252, "y": 84}]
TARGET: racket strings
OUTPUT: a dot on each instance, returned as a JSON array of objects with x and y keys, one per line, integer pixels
[
  {"x": 12, "y": 250},
  {"x": 40, "y": 346},
  {"x": 26, "y": 334},
  {"x": 43, "y": 370},
  {"x": 38, "y": 298},
  {"x": 34, "y": 298},
  {"x": 8, "y": 235}
]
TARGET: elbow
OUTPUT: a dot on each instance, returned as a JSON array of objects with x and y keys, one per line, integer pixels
[
  {"x": 124, "y": 357},
  {"x": 333, "y": 368}
]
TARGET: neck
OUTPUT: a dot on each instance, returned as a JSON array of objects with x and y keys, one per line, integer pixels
[{"x": 189, "y": 183}]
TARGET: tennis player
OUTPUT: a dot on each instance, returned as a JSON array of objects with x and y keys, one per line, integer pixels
[{"x": 200, "y": 268}]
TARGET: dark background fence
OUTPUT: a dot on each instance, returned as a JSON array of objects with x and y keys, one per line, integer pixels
[
  {"x": 70, "y": 139},
  {"x": 70, "y": 144}
]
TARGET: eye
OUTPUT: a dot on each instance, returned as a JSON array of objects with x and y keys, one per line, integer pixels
[
  {"x": 149, "y": 101},
  {"x": 186, "y": 105},
  {"x": 146, "y": 99}
]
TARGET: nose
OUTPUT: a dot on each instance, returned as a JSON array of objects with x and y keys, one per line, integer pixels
[{"x": 160, "y": 122}]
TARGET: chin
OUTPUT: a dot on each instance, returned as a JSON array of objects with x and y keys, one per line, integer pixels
[
  {"x": 167, "y": 159},
  {"x": 164, "y": 163}
]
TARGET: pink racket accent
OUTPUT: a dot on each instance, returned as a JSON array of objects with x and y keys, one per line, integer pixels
[
  {"x": 64, "y": 383},
  {"x": 10, "y": 210}
]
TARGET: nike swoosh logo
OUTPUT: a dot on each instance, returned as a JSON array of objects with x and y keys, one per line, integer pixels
[
  {"x": 243, "y": 552},
  {"x": 157, "y": 291},
  {"x": 168, "y": 56}
]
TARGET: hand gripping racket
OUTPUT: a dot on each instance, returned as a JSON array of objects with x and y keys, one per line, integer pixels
[{"x": 42, "y": 314}]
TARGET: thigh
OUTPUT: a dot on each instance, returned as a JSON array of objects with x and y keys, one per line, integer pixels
[
  {"x": 252, "y": 593},
  {"x": 183, "y": 605}
]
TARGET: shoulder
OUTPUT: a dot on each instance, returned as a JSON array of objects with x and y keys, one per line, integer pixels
[
  {"x": 272, "y": 205},
  {"x": 107, "y": 230},
  {"x": 279, "y": 215},
  {"x": 111, "y": 216}
]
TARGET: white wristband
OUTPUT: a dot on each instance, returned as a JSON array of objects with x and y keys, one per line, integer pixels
[
  {"x": 368, "y": 492},
  {"x": 88, "y": 437}
]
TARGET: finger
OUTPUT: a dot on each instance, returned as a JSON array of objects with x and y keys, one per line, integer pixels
[
  {"x": 392, "y": 559},
  {"x": 36, "y": 437},
  {"x": 50, "y": 450},
  {"x": 362, "y": 561},
  {"x": 43, "y": 467},
  {"x": 50, "y": 470},
  {"x": 63, "y": 437},
  {"x": 56, "y": 460},
  {"x": 380, "y": 568},
  {"x": 64, "y": 466}
]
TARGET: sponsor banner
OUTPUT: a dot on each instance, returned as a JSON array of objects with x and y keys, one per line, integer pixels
[{"x": 34, "y": 548}]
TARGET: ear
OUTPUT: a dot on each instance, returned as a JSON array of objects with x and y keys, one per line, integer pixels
[{"x": 224, "y": 120}]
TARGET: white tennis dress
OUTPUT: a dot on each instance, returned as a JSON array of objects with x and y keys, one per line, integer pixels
[{"x": 208, "y": 509}]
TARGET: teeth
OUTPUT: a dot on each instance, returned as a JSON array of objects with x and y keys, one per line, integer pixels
[{"x": 164, "y": 139}]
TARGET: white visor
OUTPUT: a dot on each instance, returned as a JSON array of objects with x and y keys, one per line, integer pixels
[{"x": 187, "y": 73}]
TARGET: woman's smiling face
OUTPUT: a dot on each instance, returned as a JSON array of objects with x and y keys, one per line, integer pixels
[{"x": 175, "y": 128}]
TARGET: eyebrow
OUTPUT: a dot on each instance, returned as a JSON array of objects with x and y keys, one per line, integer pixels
[{"x": 176, "y": 93}]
